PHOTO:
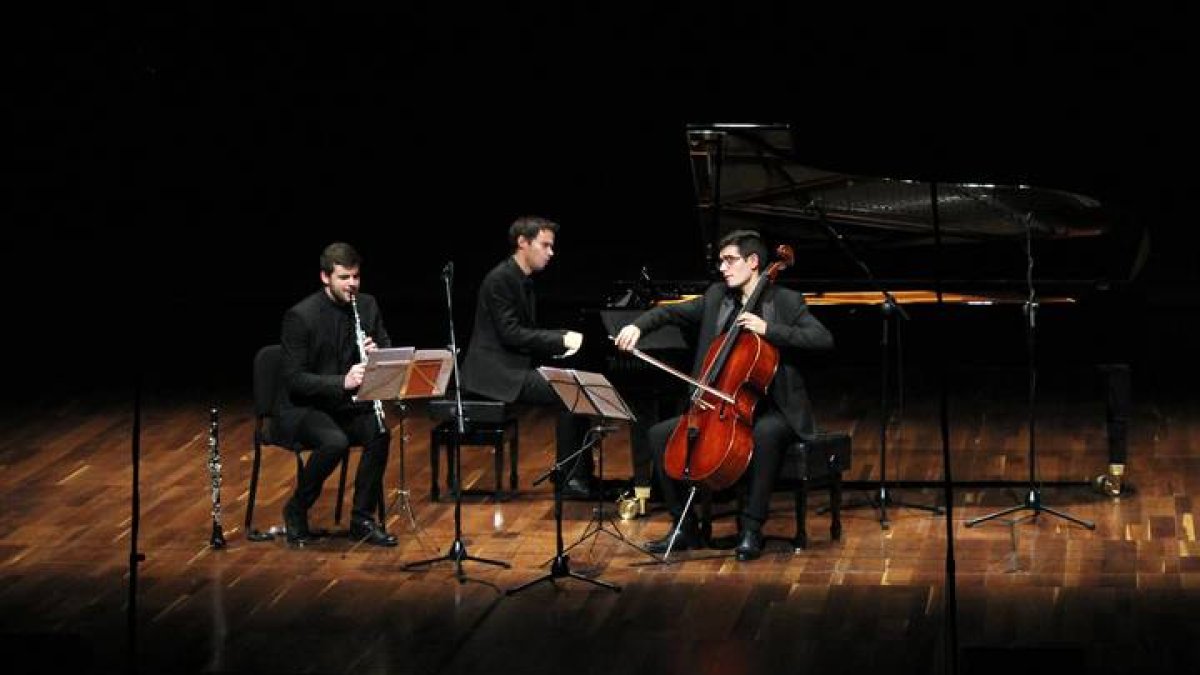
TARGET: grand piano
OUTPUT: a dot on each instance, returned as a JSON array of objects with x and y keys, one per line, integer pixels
[{"x": 866, "y": 241}]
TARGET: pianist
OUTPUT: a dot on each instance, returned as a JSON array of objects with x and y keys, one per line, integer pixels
[{"x": 506, "y": 343}]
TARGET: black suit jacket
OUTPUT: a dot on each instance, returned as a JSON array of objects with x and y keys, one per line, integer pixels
[
  {"x": 790, "y": 327},
  {"x": 318, "y": 348},
  {"x": 505, "y": 341}
]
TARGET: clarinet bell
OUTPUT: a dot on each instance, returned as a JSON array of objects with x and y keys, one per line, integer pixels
[{"x": 218, "y": 537}]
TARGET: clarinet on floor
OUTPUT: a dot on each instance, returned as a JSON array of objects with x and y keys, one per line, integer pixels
[
  {"x": 362, "y": 357},
  {"x": 214, "y": 474}
]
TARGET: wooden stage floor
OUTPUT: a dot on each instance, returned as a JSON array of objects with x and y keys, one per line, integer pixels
[{"x": 1040, "y": 596}]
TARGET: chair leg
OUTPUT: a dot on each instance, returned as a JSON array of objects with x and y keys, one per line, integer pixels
[
  {"x": 800, "y": 496},
  {"x": 512, "y": 456},
  {"x": 435, "y": 468},
  {"x": 337, "y": 510},
  {"x": 835, "y": 505},
  {"x": 253, "y": 485},
  {"x": 498, "y": 452}
]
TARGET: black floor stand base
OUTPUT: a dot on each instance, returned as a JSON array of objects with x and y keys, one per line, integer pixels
[
  {"x": 560, "y": 568},
  {"x": 1033, "y": 502},
  {"x": 560, "y": 564},
  {"x": 882, "y": 500},
  {"x": 596, "y": 527},
  {"x": 458, "y": 555}
]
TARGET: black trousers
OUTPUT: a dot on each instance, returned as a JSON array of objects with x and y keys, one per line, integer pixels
[
  {"x": 570, "y": 428},
  {"x": 772, "y": 434},
  {"x": 330, "y": 436}
]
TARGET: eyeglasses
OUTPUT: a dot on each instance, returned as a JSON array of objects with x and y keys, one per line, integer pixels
[{"x": 728, "y": 259}]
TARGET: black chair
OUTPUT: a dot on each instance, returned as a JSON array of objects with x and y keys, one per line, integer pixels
[
  {"x": 489, "y": 424},
  {"x": 267, "y": 389},
  {"x": 811, "y": 463}
]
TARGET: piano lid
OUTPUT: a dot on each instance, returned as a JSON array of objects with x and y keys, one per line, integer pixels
[
  {"x": 752, "y": 172},
  {"x": 752, "y": 176}
]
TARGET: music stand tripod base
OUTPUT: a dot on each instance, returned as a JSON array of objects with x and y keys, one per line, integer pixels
[
  {"x": 561, "y": 565},
  {"x": 596, "y": 525}
]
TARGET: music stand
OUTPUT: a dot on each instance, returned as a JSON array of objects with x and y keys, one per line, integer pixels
[
  {"x": 590, "y": 395},
  {"x": 399, "y": 374},
  {"x": 608, "y": 406}
]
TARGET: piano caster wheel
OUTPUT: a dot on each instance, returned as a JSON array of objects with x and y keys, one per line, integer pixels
[{"x": 1109, "y": 484}]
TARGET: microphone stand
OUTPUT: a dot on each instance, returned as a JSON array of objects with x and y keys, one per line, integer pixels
[
  {"x": 136, "y": 557},
  {"x": 1033, "y": 498},
  {"x": 950, "y": 604},
  {"x": 458, "y": 550},
  {"x": 888, "y": 309}
]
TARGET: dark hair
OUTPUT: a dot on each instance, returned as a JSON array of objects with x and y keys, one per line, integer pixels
[
  {"x": 529, "y": 227},
  {"x": 748, "y": 242},
  {"x": 339, "y": 253}
]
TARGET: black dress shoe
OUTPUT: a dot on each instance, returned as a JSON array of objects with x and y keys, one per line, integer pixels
[
  {"x": 295, "y": 521},
  {"x": 371, "y": 532},
  {"x": 689, "y": 538},
  {"x": 751, "y": 545}
]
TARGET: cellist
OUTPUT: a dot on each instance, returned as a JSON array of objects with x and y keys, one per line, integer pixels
[{"x": 782, "y": 318}]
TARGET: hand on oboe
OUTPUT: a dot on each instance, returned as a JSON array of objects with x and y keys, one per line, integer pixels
[
  {"x": 354, "y": 376},
  {"x": 369, "y": 344}
]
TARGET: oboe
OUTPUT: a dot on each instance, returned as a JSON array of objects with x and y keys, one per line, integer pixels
[
  {"x": 214, "y": 474},
  {"x": 362, "y": 356}
]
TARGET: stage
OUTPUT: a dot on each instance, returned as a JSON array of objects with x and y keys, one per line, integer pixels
[{"x": 1045, "y": 596}]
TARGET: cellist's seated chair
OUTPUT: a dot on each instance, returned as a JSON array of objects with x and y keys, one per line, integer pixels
[{"x": 816, "y": 462}]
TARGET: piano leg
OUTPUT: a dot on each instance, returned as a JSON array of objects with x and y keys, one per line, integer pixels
[{"x": 648, "y": 412}]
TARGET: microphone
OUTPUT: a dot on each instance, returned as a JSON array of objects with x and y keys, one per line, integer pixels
[{"x": 448, "y": 270}]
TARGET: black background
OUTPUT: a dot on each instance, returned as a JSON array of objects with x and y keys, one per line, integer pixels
[{"x": 176, "y": 172}]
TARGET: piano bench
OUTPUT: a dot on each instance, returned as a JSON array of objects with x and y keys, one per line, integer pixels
[
  {"x": 492, "y": 434},
  {"x": 817, "y": 461}
]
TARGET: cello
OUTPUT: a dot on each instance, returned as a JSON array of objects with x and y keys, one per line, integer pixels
[{"x": 713, "y": 442}]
